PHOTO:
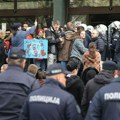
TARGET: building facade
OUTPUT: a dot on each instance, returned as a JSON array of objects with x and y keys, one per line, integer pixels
[{"x": 87, "y": 11}]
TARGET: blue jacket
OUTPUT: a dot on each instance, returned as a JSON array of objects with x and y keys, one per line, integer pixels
[
  {"x": 18, "y": 39},
  {"x": 78, "y": 49},
  {"x": 106, "y": 103},
  {"x": 51, "y": 102},
  {"x": 15, "y": 85}
]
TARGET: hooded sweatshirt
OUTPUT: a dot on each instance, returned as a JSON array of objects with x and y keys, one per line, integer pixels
[{"x": 93, "y": 86}]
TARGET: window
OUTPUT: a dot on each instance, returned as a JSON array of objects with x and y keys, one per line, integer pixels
[
  {"x": 116, "y": 2},
  {"x": 25, "y": 4},
  {"x": 91, "y": 3}
]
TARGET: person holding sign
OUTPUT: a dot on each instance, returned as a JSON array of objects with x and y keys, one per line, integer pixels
[
  {"x": 40, "y": 62},
  {"x": 19, "y": 35}
]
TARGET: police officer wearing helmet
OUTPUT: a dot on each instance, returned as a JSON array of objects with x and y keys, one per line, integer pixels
[
  {"x": 15, "y": 85},
  {"x": 51, "y": 101}
]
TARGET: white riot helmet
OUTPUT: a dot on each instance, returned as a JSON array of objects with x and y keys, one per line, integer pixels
[
  {"x": 115, "y": 24},
  {"x": 101, "y": 28},
  {"x": 90, "y": 28},
  {"x": 84, "y": 26}
]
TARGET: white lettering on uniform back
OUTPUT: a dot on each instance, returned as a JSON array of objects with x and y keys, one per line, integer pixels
[
  {"x": 45, "y": 99},
  {"x": 112, "y": 96}
]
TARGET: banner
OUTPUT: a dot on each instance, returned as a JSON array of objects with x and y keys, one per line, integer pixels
[{"x": 36, "y": 48}]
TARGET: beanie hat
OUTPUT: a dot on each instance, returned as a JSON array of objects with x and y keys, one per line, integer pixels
[{"x": 109, "y": 65}]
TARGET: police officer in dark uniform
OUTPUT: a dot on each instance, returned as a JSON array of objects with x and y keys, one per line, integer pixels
[
  {"x": 106, "y": 102},
  {"x": 15, "y": 85},
  {"x": 51, "y": 101}
]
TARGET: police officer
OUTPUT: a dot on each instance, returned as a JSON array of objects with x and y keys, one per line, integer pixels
[
  {"x": 106, "y": 102},
  {"x": 15, "y": 85},
  {"x": 51, "y": 102}
]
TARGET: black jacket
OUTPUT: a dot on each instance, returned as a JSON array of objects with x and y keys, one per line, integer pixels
[
  {"x": 50, "y": 102},
  {"x": 53, "y": 40},
  {"x": 15, "y": 85},
  {"x": 106, "y": 103},
  {"x": 75, "y": 86},
  {"x": 100, "y": 45},
  {"x": 93, "y": 86},
  {"x": 117, "y": 51},
  {"x": 2, "y": 53}
]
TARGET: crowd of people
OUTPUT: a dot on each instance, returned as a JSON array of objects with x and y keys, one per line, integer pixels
[{"x": 75, "y": 82}]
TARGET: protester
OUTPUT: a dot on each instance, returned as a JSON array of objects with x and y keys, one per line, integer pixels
[
  {"x": 41, "y": 76},
  {"x": 92, "y": 58},
  {"x": 32, "y": 70},
  {"x": 2, "y": 50},
  {"x": 53, "y": 35},
  {"x": 51, "y": 96},
  {"x": 74, "y": 84},
  {"x": 65, "y": 47},
  {"x": 19, "y": 35},
  {"x": 40, "y": 62},
  {"x": 100, "y": 43},
  {"x": 88, "y": 74},
  {"x": 15, "y": 85},
  {"x": 7, "y": 39},
  {"x": 101, "y": 79},
  {"x": 4, "y": 67},
  {"x": 78, "y": 48},
  {"x": 87, "y": 35},
  {"x": 106, "y": 102}
]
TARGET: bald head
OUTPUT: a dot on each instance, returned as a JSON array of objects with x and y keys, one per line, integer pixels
[{"x": 94, "y": 33}]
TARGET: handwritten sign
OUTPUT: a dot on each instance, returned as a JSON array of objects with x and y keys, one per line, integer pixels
[{"x": 36, "y": 48}]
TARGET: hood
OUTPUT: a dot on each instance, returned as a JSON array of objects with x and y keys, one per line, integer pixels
[
  {"x": 69, "y": 35},
  {"x": 103, "y": 77},
  {"x": 52, "y": 30},
  {"x": 72, "y": 80}
]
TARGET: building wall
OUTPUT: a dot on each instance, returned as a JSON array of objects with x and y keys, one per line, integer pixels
[
  {"x": 25, "y": 4},
  {"x": 84, "y": 10}
]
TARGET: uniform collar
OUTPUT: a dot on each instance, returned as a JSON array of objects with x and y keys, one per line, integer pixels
[
  {"x": 54, "y": 82},
  {"x": 116, "y": 79},
  {"x": 15, "y": 67}
]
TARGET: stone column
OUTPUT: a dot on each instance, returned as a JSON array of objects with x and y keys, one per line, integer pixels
[{"x": 59, "y": 11}]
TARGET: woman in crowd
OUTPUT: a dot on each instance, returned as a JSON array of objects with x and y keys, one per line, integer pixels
[{"x": 92, "y": 58}]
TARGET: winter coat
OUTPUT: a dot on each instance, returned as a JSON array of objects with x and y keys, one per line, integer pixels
[
  {"x": 15, "y": 86},
  {"x": 18, "y": 39},
  {"x": 51, "y": 102},
  {"x": 87, "y": 39},
  {"x": 78, "y": 49},
  {"x": 53, "y": 40},
  {"x": 88, "y": 74},
  {"x": 93, "y": 86},
  {"x": 75, "y": 86},
  {"x": 100, "y": 45},
  {"x": 106, "y": 103},
  {"x": 91, "y": 61},
  {"x": 65, "y": 48},
  {"x": 117, "y": 51}
]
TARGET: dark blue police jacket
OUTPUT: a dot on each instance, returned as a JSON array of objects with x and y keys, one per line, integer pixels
[
  {"x": 51, "y": 102},
  {"x": 15, "y": 85},
  {"x": 106, "y": 103}
]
